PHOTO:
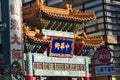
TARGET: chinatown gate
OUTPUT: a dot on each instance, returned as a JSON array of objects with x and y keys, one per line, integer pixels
[{"x": 51, "y": 42}]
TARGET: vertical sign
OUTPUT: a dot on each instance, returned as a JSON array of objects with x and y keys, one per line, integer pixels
[{"x": 15, "y": 19}]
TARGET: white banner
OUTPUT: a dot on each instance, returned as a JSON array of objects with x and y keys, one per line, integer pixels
[{"x": 15, "y": 21}]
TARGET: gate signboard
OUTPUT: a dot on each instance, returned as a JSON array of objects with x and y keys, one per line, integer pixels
[{"x": 44, "y": 65}]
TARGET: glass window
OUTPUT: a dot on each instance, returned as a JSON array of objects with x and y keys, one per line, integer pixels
[
  {"x": 99, "y": 14},
  {"x": 25, "y": 1},
  {"x": 93, "y": 3},
  {"x": 97, "y": 33},
  {"x": 119, "y": 15},
  {"x": 113, "y": 27},
  {"x": 79, "y": 7},
  {"x": 115, "y": 8},
  {"x": 98, "y": 8},
  {"x": 99, "y": 20},
  {"x": 116, "y": 51},
  {"x": 113, "y": 14},
  {"x": 108, "y": 1},
  {"x": 91, "y": 29},
  {"x": 95, "y": 28},
  {"x": 113, "y": 33},
  {"x": 100, "y": 27},
  {"x": 91, "y": 23}
]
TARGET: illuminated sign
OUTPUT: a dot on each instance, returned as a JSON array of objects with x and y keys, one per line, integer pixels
[{"x": 61, "y": 47}]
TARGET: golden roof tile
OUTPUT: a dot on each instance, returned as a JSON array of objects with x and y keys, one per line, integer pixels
[
  {"x": 91, "y": 41},
  {"x": 68, "y": 13},
  {"x": 35, "y": 35}
]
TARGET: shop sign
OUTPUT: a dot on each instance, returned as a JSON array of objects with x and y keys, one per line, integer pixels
[
  {"x": 104, "y": 56},
  {"x": 105, "y": 70}
]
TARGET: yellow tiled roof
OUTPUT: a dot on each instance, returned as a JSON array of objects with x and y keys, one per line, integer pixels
[
  {"x": 35, "y": 35},
  {"x": 92, "y": 41},
  {"x": 68, "y": 14}
]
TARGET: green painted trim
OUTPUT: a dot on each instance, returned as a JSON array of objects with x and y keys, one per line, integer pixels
[{"x": 5, "y": 34}]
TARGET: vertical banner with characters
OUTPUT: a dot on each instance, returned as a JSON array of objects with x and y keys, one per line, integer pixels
[{"x": 15, "y": 21}]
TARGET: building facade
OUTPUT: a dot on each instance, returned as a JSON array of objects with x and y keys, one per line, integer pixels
[{"x": 106, "y": 24}]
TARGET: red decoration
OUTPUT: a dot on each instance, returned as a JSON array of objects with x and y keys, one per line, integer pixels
[{"x": 78, "y": 48}]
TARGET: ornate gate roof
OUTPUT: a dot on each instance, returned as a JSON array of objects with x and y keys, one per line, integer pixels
[{"x": 35, "y": 14}]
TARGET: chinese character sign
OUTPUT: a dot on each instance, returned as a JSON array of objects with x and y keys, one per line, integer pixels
[
  {"x": 61, "y": 47},
  {"x": 15, "y": 29}
]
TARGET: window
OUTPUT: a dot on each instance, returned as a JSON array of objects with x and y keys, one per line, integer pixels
[
  {"x": 79, "y": 7},
  {"x": 113, "y": 27},
  {"x": 98, "y": 8},
  {"x": 113, "y": 33},
  {"x": 99, "y": 14},
  {"x": 93, "y": 3},
  {"x": 25, "y": 1},
  {"x": 91, "y": 29},
  {"x": 98, "y": 33}
]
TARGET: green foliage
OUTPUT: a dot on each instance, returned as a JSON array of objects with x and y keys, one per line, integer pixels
[
  {"x": 14, "y": 69},
  {"x": 5, "y": 77}
]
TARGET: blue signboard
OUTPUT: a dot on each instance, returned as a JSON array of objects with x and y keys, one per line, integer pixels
[
  {"x": 105, "y": 70},
  {"x": 61, "y": 47}
]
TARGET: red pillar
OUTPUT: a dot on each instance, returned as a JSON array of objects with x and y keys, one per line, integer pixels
[
  {"x": 30, "y": 78},
  {"x": 87, "y": 78}
]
